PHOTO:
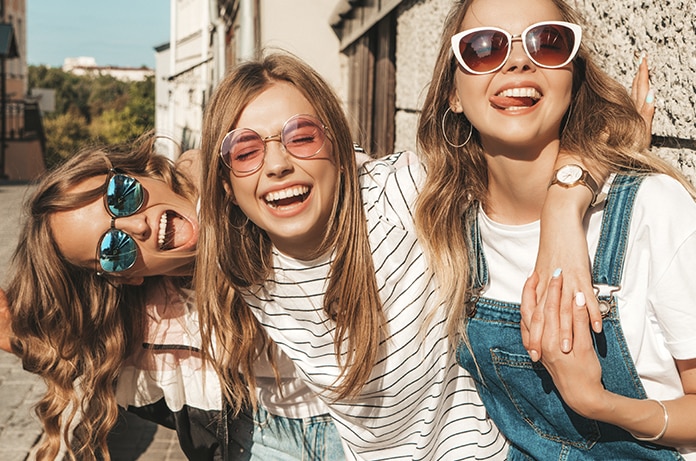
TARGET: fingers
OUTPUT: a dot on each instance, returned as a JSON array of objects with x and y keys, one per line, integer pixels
[
  {"x": 549, "y": 334},
  {"x": 566, "y": 320},
  {"x": 644, "y": 97},
  {"x": 532, "y": 319},
  {"x": 581, "y": 319}
]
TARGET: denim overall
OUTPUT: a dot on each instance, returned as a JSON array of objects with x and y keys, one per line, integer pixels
[{"x": 520, "y": 395}]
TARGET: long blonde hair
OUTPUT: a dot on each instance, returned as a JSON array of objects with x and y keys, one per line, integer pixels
[
  {"x": 72, "y": 327},
  {"x": 603, "y": 126},
  {"x": 235, "y": 254}
]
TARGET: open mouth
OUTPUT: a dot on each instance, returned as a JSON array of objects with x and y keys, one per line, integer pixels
[
  {"x": 175, "y": 231},
  {"x": 287, "y": 197},
  {"x": 516, "y": 98}
]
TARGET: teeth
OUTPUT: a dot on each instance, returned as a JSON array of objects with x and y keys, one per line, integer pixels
[
  {"x": 520, "y": 93},
  {"x": 286, "y": 193},
  {"x": 162, "y": 230}
]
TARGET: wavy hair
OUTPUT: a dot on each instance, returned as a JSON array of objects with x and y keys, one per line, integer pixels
[
  {"x": 234, "y": 255},
  {"x": 72, "y": 327},
  {"x": 603, "y": 127}
]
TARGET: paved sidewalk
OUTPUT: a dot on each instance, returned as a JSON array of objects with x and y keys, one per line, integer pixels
[{"x": 133, "y": 439}]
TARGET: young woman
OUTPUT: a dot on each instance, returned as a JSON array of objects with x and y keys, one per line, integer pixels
[
  {"x": 102, "y": 311},
  {"x": 324, "y": 260},
  {"x": 516, "y": 81}
]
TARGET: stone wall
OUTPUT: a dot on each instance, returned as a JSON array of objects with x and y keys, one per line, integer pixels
[{"x": 617, "y": 30}]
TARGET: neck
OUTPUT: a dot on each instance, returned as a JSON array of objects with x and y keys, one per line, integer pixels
[{"x": 517, "y": 182}]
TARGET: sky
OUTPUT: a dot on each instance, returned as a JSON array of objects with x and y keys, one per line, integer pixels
[{"x": 120, "y": 33}]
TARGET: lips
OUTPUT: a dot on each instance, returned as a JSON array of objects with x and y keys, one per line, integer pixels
[
  {"x": 516, "y": 98},
  {"x": 287, "y": 197},
  {"x": 175, "y": 232}
]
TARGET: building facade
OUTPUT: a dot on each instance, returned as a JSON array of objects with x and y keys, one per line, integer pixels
[
  {"x": 378, "y": 55},
  {"x": 22, "y": 139},
  {"x": 208, "y": 36},
  {"x": 617, "y": 30}
]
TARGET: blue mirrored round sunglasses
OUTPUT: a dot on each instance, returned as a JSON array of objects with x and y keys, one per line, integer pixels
[{"x": 116, "y": 250}]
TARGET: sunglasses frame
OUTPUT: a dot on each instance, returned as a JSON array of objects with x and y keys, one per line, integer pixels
[
  {"x": 457, "y": 38},
  {"x": 111, "y": 175},
  {"x": 276, "y": 137}
]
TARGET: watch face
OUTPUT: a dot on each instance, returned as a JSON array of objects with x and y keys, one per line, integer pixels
[{"x": 569, "y": 174}]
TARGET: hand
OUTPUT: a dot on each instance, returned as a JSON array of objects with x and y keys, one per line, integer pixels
[
  {"x": 562, "y": 244},
  {"x": 577, "y": 374},
  {"x": 644, "y": 98},
  {"x": 5, "y": 323}
]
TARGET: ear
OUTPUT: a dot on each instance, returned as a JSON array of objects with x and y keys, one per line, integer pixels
[
  {"x": 228, "y": 189},
  {"x": 455, "y": 103},
  {"x": 131, "y": 280}
]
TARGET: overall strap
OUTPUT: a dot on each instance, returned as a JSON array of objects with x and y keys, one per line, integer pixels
[
  {"x": 478, "y": 275},
  {"x": 611, "y": 250}
]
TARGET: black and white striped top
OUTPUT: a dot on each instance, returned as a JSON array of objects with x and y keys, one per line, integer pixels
[{"x": 418, "y": 404}]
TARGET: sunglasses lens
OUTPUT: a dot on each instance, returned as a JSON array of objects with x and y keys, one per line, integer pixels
[
  {"x": 124, "y": 195},
  {"x": 303, "y": 136},
  {"x": 117, "y": 251},
  {"x": 484, "y": 50},
  {"x": 550, "y": 45},
  {"x": 242, "y": 150}
]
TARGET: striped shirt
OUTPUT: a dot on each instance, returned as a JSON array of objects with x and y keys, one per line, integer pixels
[{"x": 418, "y": 403}]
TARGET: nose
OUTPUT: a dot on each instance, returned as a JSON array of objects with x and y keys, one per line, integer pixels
[
  {"x": 278, "y": 161},
  {"x": 518, "y": 60},
  {"x": 137, "y": 226}
]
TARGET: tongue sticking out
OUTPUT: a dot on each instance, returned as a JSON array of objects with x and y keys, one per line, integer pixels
[{"x": 507, "y": 102}]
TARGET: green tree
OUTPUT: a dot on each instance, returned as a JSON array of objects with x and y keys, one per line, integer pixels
[
  {"x": 65, "y": 135},
  {"x": 92, "y": 110}
]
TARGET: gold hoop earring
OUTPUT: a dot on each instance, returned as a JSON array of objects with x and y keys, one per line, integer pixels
[{"x": 444, "y": 133}]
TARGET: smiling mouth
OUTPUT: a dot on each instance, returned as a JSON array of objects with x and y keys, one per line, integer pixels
[
  {"x": 174, "y": 231},
  {"x": 287, "y": 197},
  {"x": 516, "y": 98}
]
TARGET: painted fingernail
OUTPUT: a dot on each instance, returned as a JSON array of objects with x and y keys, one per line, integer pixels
[
  {"x": 557, "y": 273},
  {"x": 580, "y": 299},
  {"x": 650, "y": 98},
  {"x": 534, "y": 355},
  {"x": 639, "y": 55},
  {"x": 597, "y": 326},
  {"x": 565, "y": 345}
]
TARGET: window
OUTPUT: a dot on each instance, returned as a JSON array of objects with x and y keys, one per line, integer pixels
[{"x": 368, "y": 38}]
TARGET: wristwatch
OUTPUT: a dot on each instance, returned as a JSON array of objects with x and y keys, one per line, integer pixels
[{"x": 572, "y": 175}]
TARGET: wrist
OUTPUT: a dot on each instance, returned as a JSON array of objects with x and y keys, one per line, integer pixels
[
  {"x": 568, "y": 176},
  {"x": 567, "y": 202}
]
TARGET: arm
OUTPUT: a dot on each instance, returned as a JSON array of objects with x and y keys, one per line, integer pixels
[
  {"x": 577, "y": 376},
  {"x": 562, "y": 242},
  {"x": 562, "y": 245}
]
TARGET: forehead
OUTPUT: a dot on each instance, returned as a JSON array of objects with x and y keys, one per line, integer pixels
[
  {"x": 268, "y": 111},
  {"x": 511, "y": 15}
]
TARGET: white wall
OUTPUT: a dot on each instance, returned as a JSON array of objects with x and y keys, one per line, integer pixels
[{"x": 302, "y": 28}]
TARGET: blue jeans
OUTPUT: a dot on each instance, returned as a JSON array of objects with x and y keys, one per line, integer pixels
[
  {"x": 267, "y": 437},
  {"x": 520, "y": 395}
]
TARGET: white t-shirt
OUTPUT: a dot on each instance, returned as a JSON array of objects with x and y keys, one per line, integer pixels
[
  {"x": 657, "y": 299},
  {"x": 418, "y": 403}
]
